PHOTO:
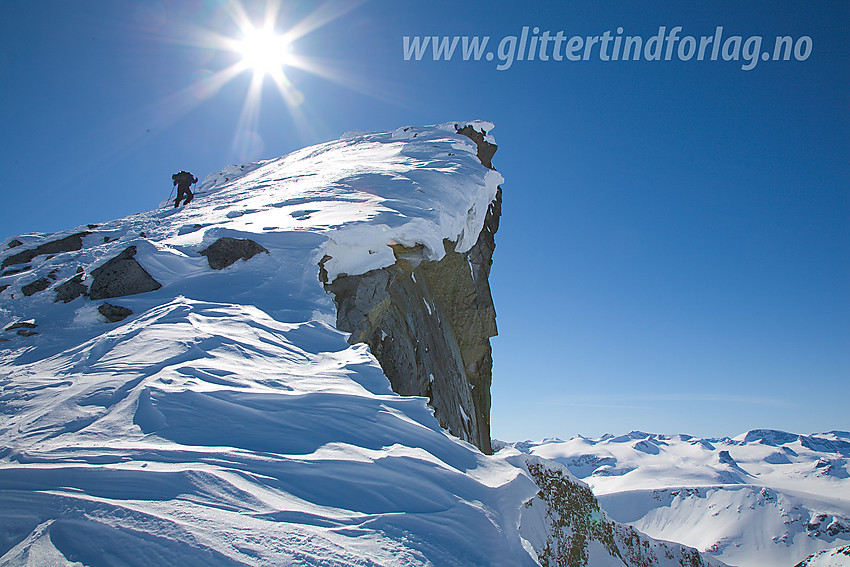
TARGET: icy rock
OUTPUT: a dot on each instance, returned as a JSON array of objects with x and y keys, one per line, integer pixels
[
  {"x": 836, "y": 557},
  {"x": 38, "y": 285},
  {"x": 67, "y": 244},
  {"x": 71, "y": 289},
  {"x": 423, "y": 318},
  {"x": 576, "y": 531},
  {"x": 486, "y": 150},
  {"x": 21, "y": 325},
  {"x": 120, "y": 276},
  {"x": 225, "y": 251},
  {"x": 114, "y": 313}
]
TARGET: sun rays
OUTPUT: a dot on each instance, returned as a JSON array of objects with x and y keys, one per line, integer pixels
[
  {"x": 266, "y": 52},
  {"x": 261, "y": 46}
]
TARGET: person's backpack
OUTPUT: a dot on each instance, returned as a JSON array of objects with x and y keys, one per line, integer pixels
[{"x": 183, "y": 178}]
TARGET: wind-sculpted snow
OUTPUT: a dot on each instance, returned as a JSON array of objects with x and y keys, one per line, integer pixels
[
  {"x": 765, "y": 498},
  {"x": 212, "y": 434}
]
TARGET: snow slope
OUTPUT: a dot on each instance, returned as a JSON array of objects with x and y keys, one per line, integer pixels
[
  {"x": 764, "y": 498},
  {"x": 226, "y": 421}
]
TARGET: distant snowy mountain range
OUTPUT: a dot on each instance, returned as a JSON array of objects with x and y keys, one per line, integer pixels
[{"x": 762, "y": 499}]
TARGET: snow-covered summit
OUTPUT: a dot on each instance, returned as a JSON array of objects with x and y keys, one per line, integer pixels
[
  {"x": 348, "y": 199},
  {"x": 199, "y": 412},
  {"x": 173, "y": 389}
]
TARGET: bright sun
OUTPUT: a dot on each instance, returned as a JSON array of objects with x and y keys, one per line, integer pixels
[
  {"x": 269, "y": 55},
  {"x": 264, "y": 51}
]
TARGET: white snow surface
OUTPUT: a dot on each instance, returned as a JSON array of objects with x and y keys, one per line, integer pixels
[
  {"x": 765, "y": 498},
  {"x": 227, "y": 422}
]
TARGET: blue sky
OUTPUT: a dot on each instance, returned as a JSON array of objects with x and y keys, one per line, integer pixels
[{"x": 674, "y": 253}]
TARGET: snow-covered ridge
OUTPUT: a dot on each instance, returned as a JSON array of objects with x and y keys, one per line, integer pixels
[
  {"x": 349, "y": 199},
  {"x": 224, "y": 421},
  {"x": 762, "y": 498},
  {"x": 173, "y": 391}
]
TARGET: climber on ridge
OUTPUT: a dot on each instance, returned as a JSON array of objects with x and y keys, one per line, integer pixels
[{"x": 183, "y": 180}]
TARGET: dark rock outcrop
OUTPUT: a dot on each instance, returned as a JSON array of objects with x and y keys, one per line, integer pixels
[
  {"x": 574, "y": 521},
  {"x": 71, "y": 289},
  {"x": 16, "y": 270},
  {"x": 121, "y": 276},
  {"x": 14, "y": 243},
  {"x": 486, "y": 150},
  {"x": 40, "y": 284},
  {"x": 225, "y": 251},
  {"x": 114, "y": 313},
  {"x": 67, "y": 244},
  {"x": 429, "y": 326},
  {"x": 21, "y": 325},
  {"x": 34, "y": 287},
  {"x": 429, "y": 323}
]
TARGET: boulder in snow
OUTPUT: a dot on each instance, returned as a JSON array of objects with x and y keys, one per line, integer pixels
[
  {"x": 120, "y": 276},
  {"x": 71, "y": 289},
  {"x": 34, "y": 287},
  {"x": 114, "y": 313},
  {"x": 226, "y": 251}
]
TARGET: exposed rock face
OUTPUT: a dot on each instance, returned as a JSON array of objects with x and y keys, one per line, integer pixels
[
  {"x": 225, "y": 251},
  {"x": 429, "y": 324},
  {"x": 114, "y": 313},
  {"x": 836, "y": 557},
  {"x": 21, "y": 325},
  {"x": 121, "y": 276},
  {"x": 486, "y": 150},
  {"x": 573, "y": 521},
  {"x": 23, "y": 328},
  {"x": 16, "y": 270},
  {"x": 71, "y": 289},
  {"x": 67, "y": 244},
  {"x": 38, "y": 285}
]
